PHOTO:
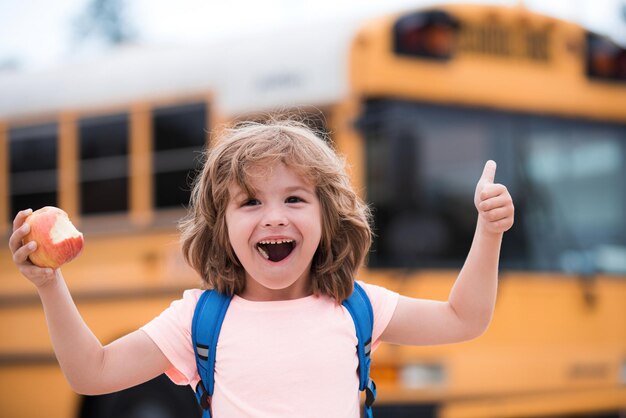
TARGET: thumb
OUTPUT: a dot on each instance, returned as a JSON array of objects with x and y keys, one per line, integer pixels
[{"x": 489, "y": 172}]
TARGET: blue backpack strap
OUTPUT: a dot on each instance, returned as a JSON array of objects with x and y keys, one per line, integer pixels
[
  {"x": 360, "y": 308},
  {"x": 205, "y": 330}
]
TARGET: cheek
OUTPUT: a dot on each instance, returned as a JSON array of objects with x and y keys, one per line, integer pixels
[
  {"x": 230, "y": 232},
  {"x": 238, "y": 230},
  {"x": 233, "y": 245},
  {"x": 315, "y": 227}
]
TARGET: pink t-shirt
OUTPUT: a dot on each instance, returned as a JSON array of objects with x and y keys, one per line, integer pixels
[{"x": 275, "y": 359}]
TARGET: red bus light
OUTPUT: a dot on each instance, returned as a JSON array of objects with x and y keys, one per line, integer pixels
[
  {"x": 429, "y": 34},
  {"x": 605, "y": 60}
]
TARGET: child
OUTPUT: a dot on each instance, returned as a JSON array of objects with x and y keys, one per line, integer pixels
[{"x": 275, "y": 223}]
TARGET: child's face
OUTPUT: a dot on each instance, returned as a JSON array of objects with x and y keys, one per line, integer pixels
[{"x": 275, "y": 233}]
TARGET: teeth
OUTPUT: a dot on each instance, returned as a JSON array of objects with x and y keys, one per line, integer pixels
[
  {"x": 280, "y": 241},
  {"x": 263, "y": 253}
]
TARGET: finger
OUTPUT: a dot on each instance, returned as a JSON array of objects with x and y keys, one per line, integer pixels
[
  {"x": 15, "y": 241},
  {"x": 503, "y": 225},
  {"x": 20, "y": 256},
  {"x": 491, "y": 191},
  {"x": 489, "y": 172},
  {"x": 498, "y": 214},
  {"x": 21, "y": 217},
  {"x": 486, "y": 207},
  {"x": 35, "y": 273}
]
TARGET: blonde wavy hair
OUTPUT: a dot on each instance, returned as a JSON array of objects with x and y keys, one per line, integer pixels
[{"x": 346, "y": 233}]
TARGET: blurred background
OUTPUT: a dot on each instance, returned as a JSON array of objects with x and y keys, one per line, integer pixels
[
  {"x": 106, "y": 106},
  {"x": 38, "y": 34}
]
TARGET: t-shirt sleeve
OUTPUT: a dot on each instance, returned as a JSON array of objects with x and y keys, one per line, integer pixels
[
  {"x": 384, "y": 302},
  {"x": 171, "y": 332}
]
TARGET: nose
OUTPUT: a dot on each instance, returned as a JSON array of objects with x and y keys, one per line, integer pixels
[{"x": 275, "y": 215}]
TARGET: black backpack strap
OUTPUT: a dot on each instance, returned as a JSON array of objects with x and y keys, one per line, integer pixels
[{"x": 205, "y": 330}]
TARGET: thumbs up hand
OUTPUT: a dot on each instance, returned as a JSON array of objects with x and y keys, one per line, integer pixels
[{"x": 493, "y": 201}]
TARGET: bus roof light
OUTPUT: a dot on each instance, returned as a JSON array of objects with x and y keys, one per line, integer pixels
[
  {"x": 605, "y": 60},
  {"x": 429, "y": 34}
]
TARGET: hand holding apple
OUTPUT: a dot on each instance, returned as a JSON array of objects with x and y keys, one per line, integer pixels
[{"x": 58, "y": 241}]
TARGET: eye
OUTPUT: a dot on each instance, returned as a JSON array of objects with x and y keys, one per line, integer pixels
[
  {"x": 294, "y": 199},
  {"x": 251, "y": 202}
]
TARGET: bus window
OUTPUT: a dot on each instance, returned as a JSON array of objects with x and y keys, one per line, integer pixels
[
  {"x": 179, "y": 135},
  {"x": 34, "y": 174},
  {"x": 423, "y": 162},
  {"x": 573, "y": 175},
  {"x": 104, "y": 164}
]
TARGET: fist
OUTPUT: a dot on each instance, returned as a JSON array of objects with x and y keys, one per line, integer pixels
[{"x": 493, "y": 202}]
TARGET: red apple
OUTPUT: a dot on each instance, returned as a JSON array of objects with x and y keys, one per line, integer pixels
[{"x": 58, "y": 241}]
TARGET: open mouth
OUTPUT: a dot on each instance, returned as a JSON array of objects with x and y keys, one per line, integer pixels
[{"x": 276, "y": 250}]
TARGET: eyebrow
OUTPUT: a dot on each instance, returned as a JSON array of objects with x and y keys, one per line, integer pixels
[
  {"x": 240, "y": 195},
  {"x": 293, "y": 189}
]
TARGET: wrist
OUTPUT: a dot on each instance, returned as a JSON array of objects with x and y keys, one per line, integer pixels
[
  {"x": 49, "y": 282},
  {"x": 484, "y": 231}
]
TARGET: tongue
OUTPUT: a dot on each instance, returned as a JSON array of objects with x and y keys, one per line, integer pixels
[{"x": 277, "y": 252}]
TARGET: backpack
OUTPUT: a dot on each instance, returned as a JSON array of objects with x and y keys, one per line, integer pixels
[{"x": 207, "y": 323}]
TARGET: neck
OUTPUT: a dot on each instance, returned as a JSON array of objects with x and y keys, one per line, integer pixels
[{"x": 254, "y": 291}]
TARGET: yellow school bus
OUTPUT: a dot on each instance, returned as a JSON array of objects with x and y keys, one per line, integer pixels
[{"x": 416, "y": 101}]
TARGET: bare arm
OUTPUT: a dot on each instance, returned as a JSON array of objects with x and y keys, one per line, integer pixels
[
  {"x": 470, "y": 305},
  {"x": 89, "y": 367}
]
